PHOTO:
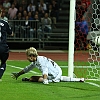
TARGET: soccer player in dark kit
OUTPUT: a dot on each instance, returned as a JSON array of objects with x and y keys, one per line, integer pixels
[{"x": 4, "y": 49}]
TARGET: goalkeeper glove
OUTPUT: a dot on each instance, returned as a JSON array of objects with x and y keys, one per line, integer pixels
[
  {"x": 15, "y": 75},
  {"x": 45, "y": 81}
]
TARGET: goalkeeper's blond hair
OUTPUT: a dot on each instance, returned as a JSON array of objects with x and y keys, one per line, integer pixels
[{"x": 31, "y": 51}]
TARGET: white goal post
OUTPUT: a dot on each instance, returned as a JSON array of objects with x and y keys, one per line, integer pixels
[{"x": 71, "y": 38}]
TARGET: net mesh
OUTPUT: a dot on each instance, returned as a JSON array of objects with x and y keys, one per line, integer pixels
[{"x": 87, "y": 27}]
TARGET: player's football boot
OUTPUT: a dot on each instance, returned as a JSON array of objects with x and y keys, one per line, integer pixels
[{"x": 82, "y": 80}]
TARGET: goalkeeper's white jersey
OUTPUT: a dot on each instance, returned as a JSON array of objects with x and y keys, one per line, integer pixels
[{"x": 46, "y": 66}]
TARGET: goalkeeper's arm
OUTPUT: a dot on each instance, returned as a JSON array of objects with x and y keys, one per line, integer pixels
[{"x": 25, "y": 70}]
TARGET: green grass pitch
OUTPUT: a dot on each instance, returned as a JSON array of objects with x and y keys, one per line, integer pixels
[{"x": 11, "y": 89}]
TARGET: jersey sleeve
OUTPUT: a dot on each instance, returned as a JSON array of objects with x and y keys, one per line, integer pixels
[{"x": 29, "y": 67}]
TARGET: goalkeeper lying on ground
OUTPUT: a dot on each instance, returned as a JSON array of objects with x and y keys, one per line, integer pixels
[{"x": 51, "y": 72}]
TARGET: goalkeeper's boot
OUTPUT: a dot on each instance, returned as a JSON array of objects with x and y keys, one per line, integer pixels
[
  {"x": 82, "y": 80},
  {"x": 25, "y": 79}
]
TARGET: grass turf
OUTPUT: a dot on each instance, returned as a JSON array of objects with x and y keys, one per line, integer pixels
[{"x": 11, "y": 89}]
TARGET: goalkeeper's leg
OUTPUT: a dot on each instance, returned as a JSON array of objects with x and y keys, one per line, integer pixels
[
  {"x": 33, "y": 79},
  {"x": 69, "y": 79}
]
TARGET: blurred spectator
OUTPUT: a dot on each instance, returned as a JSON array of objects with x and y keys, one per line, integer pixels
[
  {"x": 1, "y": 7},
  {"x": 42, "y": 5},
  {"x": 80, "y": 10},
  {"x": 20, "y": 10},
  {"x": 81, "y": 26},
  {"x": 35, "y": 27},
  {"x": 16, "y": 4},
  {"x": 6, "y": 5},
  {"x": 4, "y": 16},
  {"x": 12, "y": 12},
  {"x": 81, "y": 35},
  {"x": 87, "y": 2},
  {"x": 40, "y": 12},
  {"x": 37, "y": 13},
  {"x": 59, "y": 2},
  {"x": 30, "y": 16},
  {"x": 18, "y": 24},
  {"x": 46, "y": 25},
  {"x": 52, "y": 14},
  {"x": 28, "y": 29},
  {"x": 31, "y": 8},
  {"x": 23, "y": 4},
  {"x": 55, "y": 8},
  {"x": 19, "y": 16},
  {"x": 36, "y": 17},
  {"x": 34, "y": 2},
  {"x": 24, "y": 14}
]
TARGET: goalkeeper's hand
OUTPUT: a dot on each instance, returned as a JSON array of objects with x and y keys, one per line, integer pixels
[
  {"x": 45, "y": 81},
  {"x": 14, "y": 75}
]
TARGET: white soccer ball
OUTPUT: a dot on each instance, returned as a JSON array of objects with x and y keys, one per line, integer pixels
[{"x": 97, "y": 40}]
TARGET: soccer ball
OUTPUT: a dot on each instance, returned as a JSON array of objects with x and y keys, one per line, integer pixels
[{"x": 97, "y": 40}]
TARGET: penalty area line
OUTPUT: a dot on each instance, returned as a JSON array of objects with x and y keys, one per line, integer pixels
[
  {"x": 81, "y": 66},
  {"x": 94, "y": 84},
  {"x": 22, "y": 68}
]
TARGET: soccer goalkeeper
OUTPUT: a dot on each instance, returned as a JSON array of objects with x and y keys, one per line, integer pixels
[{"x": 51, "y": 72}]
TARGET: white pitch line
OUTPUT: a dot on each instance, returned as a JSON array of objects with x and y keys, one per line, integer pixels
[
  {"x": 94, "y": 84},
  {"x": 81, "y": 66},
  {"x": 91, "y": 83},
  {"x": 22, "y": 68}
]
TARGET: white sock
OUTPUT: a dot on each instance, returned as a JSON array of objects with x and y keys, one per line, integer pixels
[
  {"x": 65, "y": 79},
  {"x": 69, "y": 79},
  {"x": 75, "y": 79}
]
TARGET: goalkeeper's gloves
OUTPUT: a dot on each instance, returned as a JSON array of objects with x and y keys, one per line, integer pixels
[
  {"x": 45, "y": 81},
  {"x": 15, "y": 75}
]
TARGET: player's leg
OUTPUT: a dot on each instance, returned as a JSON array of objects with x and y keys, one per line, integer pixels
[
  {"x": 69, "y": 79},
  {"x": 33, "y": 79},
  {"x": 3, "y": 58}
]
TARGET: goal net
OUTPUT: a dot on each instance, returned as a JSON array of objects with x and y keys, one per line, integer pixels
[{"x": 86, "y": 53}]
